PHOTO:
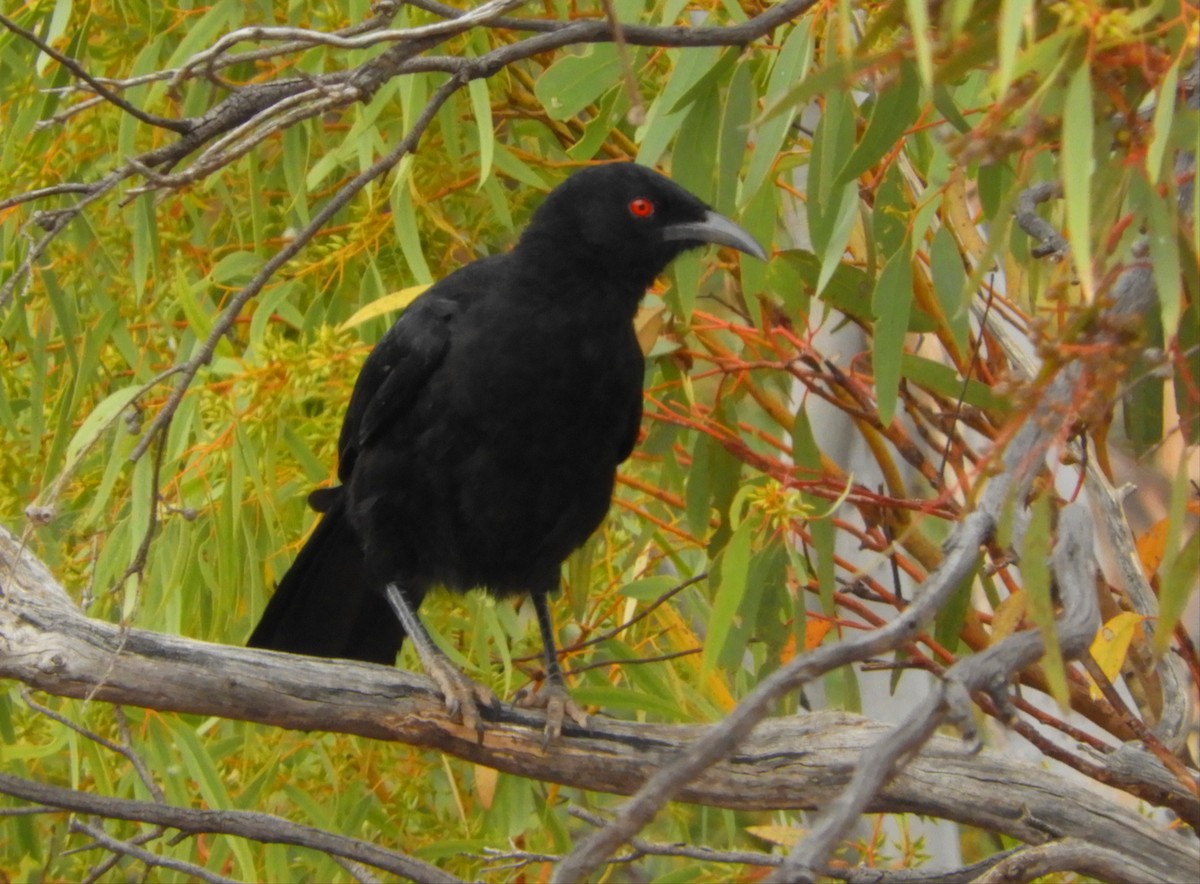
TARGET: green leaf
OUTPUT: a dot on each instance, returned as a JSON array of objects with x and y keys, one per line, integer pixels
[
  {"x": 1013, "y": 15},
  {"x": 103, "y": 416},
  {"x": 575, "y": 81},
  {"x": 1164, "y": 235},
  {"x": 1035, "y": 578},
  {"x": 943, "y": 100},
  {"x": 650, "y": 589},
  {"x": 891, "y": 302},
  {"x": 893, "y": 112},
  {"x": 1075, "y": 165},
  {"x": 839, "y": 227},
  {"x": 827, "y": 81},
  {"x": 404, "y": 222},
  {"x": 662, "y": 120},
  {"x": 946, "y": 382},
  {"x": 891, "y": 214},
  {"x": 831, "y": 210},
  {"x": 695, "y": 167},
  {"x": 709, "y": 80},
  {"x": 1164, "y": 115},
  {"x": 918, "y": 20},
  {"x": 615, "y": 698},
  {"x": 950, "y": 284},
  {"x": 768, "y": 135},
  {"x": 735, "y": 119},
  {"x": 1180, "y": 565},
  {"x": 481, "y": 105},
  {"x": 732, "y": 569},
  {"x": 796, "y": 272},
  {"x": 1188, "y": 363},
  {"x": 57, "y": 26},
  {"x": 234, "y": 267},
  {"x": 1142, "y": 401},
  {"x": 600, "y": 126},
  {"x": 831, "y": 141}
]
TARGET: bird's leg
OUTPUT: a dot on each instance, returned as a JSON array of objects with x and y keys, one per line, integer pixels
[
  {"x": 461, "y": 695},
  {"x": 553, "y": 696}
]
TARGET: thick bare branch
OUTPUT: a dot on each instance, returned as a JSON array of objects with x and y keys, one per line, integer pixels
[
  {"x": 797, "y": 762},
  {"x": 1068, "y": 855}
]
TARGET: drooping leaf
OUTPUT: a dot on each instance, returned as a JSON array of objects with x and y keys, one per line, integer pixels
[{"x": 575, "y": 81}]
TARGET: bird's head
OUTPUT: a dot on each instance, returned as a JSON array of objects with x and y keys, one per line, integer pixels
[{"x": 626, "y": 221}]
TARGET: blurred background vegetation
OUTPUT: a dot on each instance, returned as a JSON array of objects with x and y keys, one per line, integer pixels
[{"x": 880, "y": 148}]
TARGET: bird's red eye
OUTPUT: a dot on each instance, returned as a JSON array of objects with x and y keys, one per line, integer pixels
[{"x": 641, "y": 208}]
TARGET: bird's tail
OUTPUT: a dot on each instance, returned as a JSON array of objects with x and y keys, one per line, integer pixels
[{"x": 327, "y": 604}]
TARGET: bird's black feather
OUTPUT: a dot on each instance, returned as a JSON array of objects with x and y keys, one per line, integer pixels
[{"x": 483, "y": 435}]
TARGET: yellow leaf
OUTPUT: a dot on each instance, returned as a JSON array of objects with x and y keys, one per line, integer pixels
[
  {"x": 485, "y": 785},
  {"x": 815, "y": 631},
  {"x": 1008, "y": 616},
  {"x": 1112, "y": 643},
  {"x": 784, "y": 836},
  {"x": 646, "y": 324},
  {"x": 394, "y": 301},
  {"x": 1152, "y": 546}
]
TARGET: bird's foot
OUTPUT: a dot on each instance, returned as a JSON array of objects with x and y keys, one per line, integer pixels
[
  {"x": 554, "y": 698},
  {"x": 462, "y": 696}
]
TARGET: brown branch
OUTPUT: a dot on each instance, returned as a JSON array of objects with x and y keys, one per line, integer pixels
[
  {"x": 190, "y": 368},
  {"x": 180, "y": 126},
  {"x": 255, "y": 826},
  {"x": 989, "y": 671},
  {"x": 127, "y": 848},
  {"x": 1022, "y": 459},
  {"x": 1068, "y": 855},
  {"x": 797, "y": 762}
]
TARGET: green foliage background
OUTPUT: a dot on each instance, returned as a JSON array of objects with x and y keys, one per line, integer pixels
[{"x": 927, "y": 132}]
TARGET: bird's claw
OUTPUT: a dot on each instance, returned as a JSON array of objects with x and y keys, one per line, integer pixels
[
  {"x": 557, "y": 702},
  {"x": 462, "y": 696}
]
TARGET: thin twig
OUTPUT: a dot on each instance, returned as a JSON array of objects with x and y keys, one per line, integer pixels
[
  {"x": 180, "y": 126},
  {"x": 988, "y": 671},
  {"x": 228, "y": 317},
  {"x": 152, "y": 860},
  {"x": 255, "y": 826}
]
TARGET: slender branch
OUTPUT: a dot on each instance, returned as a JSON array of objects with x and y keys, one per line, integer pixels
[
  {"x": 228, "y": 317},
  {"x": 790, "y": 763},
  {"x": 152, "y": 860},
  {"x": 1052, "y": 244},
  {"x": 255, "y": 826},
  {"x": 1067, "y": 855},
  {"x": 43, "y": 192},
  {"x": 960, "y": 561},
  {"x": 180, "y": 126},
  {"x": 124, "y": 749},
  {"x": 989, "y": 671},
  {"x": 302, "y": 38}
]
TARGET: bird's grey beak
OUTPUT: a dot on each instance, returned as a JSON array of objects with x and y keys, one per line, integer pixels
[{"x": 717, "y": 229}]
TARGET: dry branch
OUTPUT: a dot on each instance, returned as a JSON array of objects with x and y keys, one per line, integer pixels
[{"x": 798, "y": 762}]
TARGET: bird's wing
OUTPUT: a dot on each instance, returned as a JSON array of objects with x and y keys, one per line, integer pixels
[{"x": 395, "y": 372}]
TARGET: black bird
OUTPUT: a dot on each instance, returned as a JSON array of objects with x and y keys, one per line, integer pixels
[{"x": 483, "y": 435}]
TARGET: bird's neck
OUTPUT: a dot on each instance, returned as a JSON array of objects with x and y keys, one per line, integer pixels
[{"x": 608, "y": 285}]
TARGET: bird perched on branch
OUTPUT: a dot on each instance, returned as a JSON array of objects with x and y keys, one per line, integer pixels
[{"x": 483, "y": 435}]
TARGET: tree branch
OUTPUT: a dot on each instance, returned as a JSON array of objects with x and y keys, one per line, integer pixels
[
  {"x": 242, "y": 823},
  {"x": 797, "y": 762},
  {"x": 989, "y": 671}
]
